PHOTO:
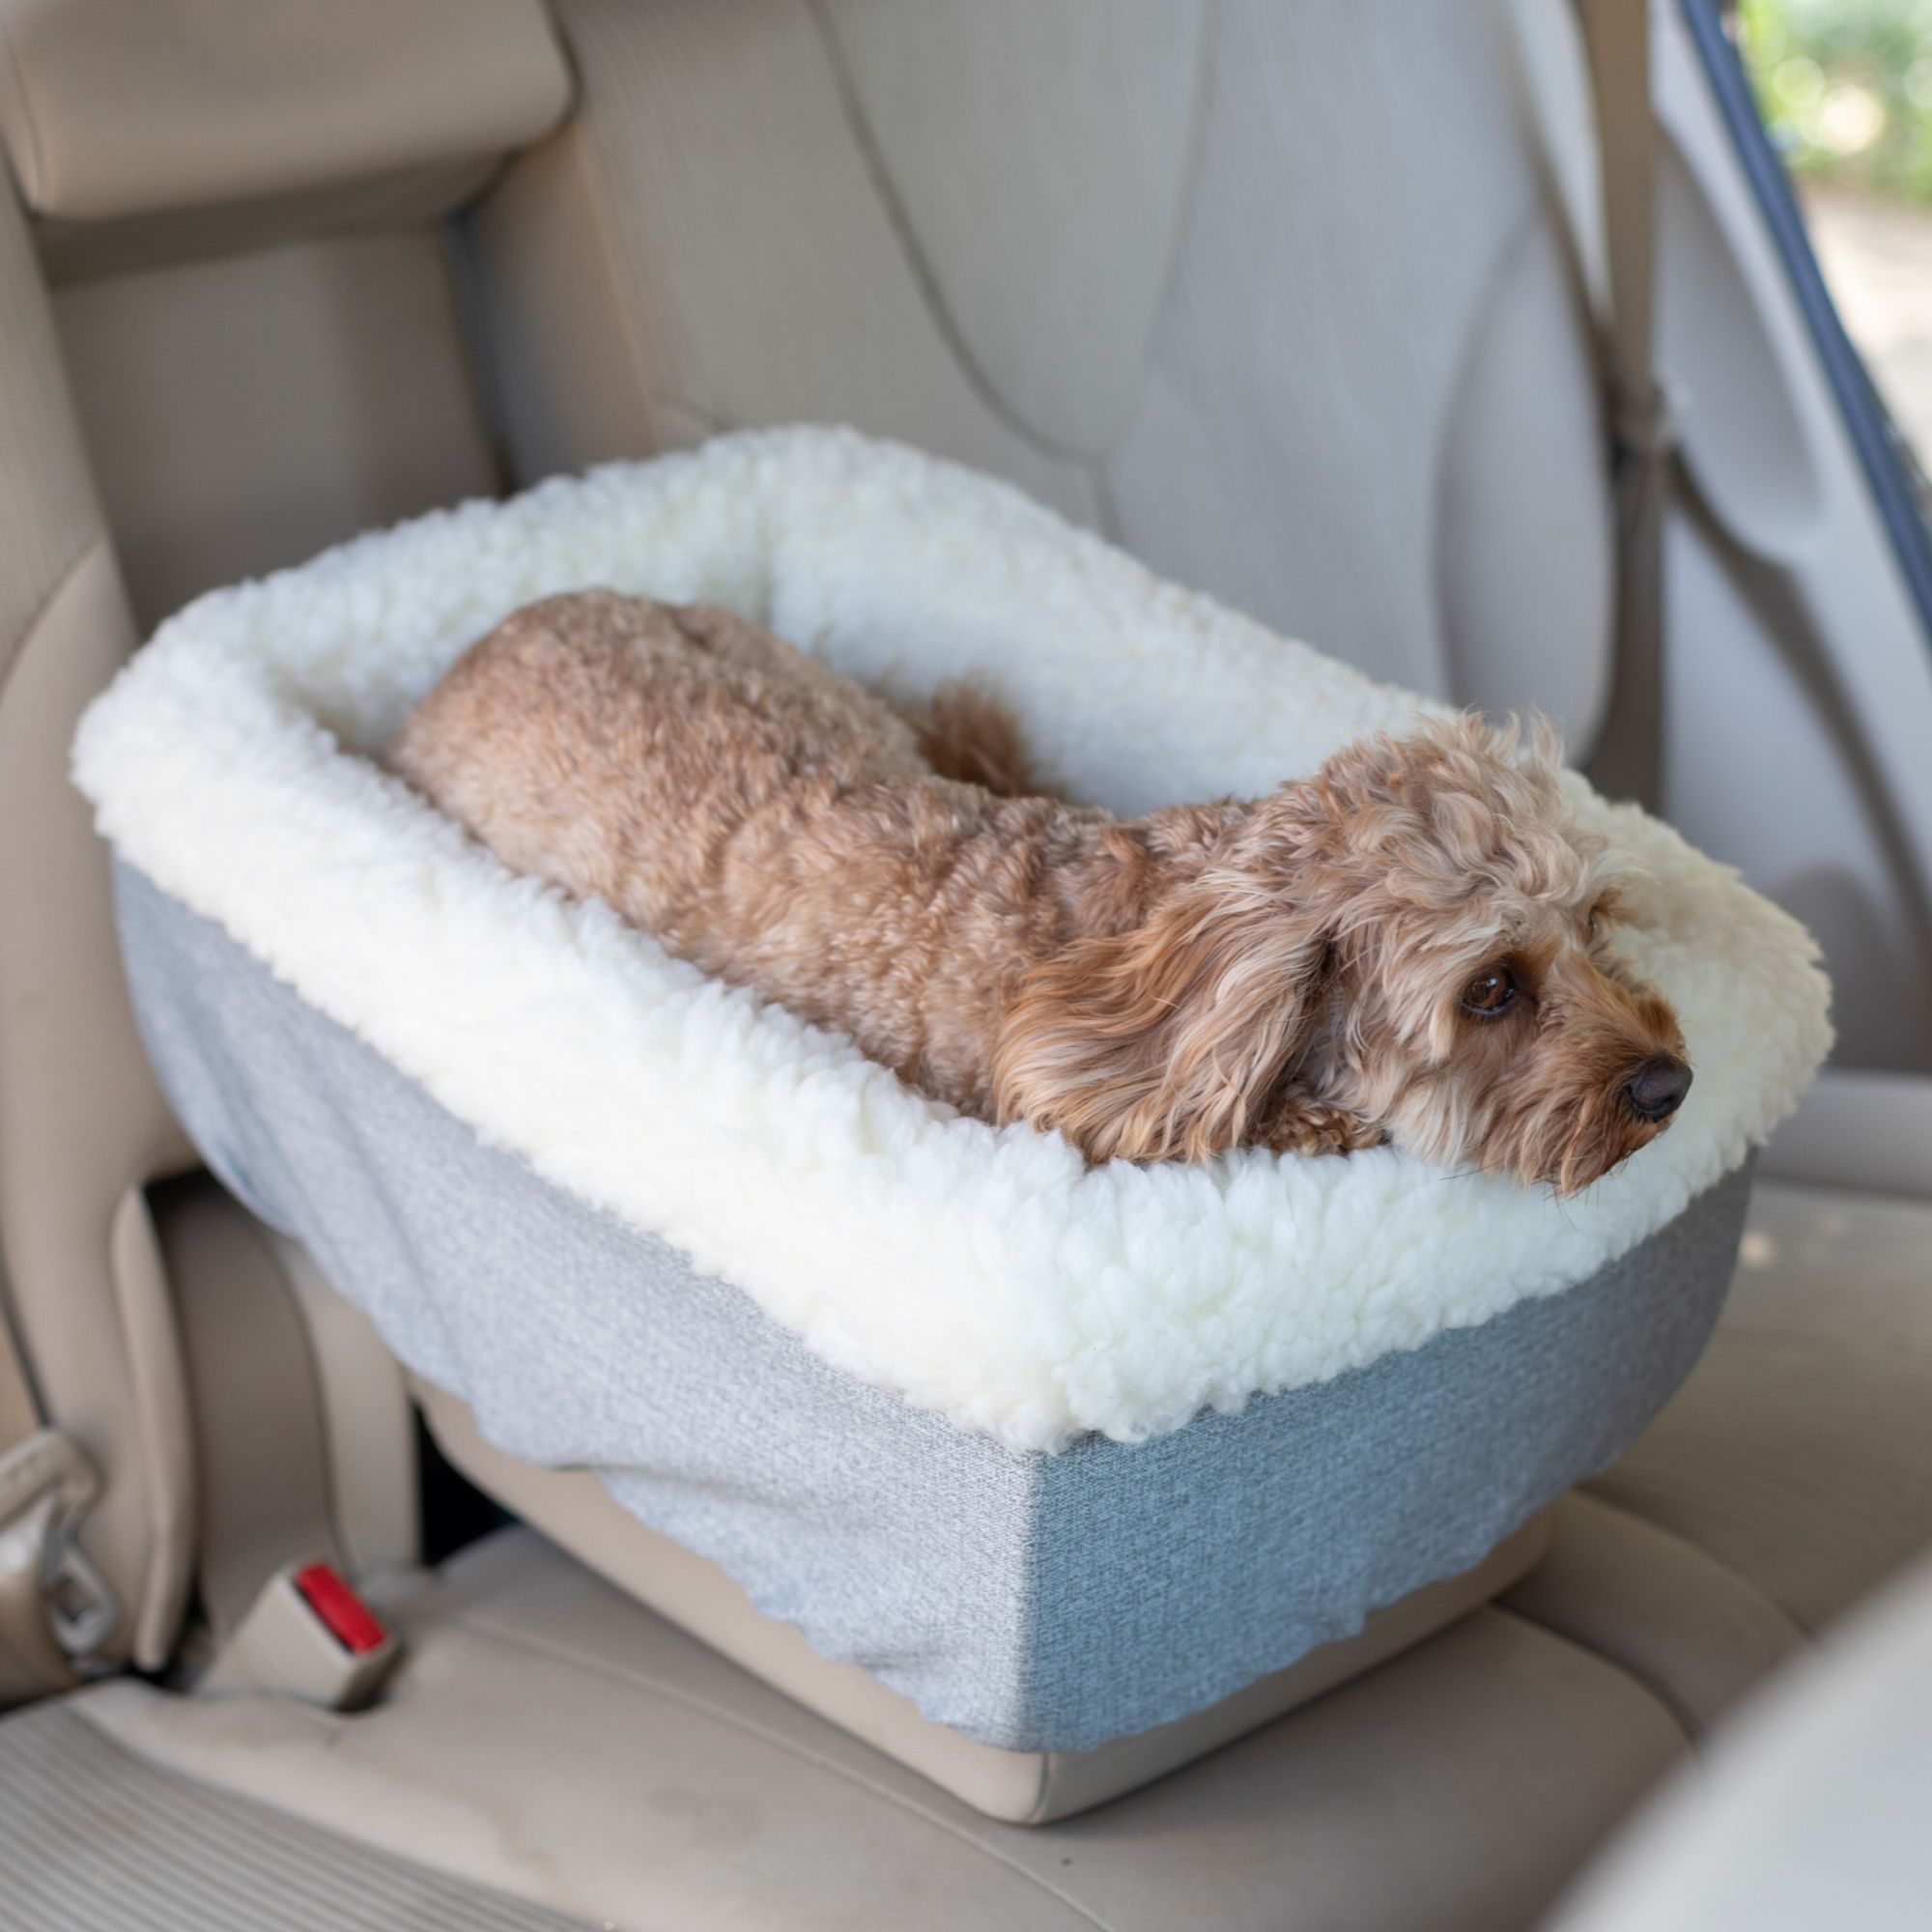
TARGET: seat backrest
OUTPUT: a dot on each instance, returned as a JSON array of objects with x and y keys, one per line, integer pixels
[
  {"x": 227, "y": 336},
  {"x": 1277, "y": 296}
]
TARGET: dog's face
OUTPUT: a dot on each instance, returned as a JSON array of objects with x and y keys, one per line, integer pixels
[
  {"x": 1475, "y": 1004},
  {"x": 1416, "y": 937}
]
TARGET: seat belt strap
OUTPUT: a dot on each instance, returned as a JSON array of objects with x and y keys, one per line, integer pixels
[{"x": 1629, "y": 760}]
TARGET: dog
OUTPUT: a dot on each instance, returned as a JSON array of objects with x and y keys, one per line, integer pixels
[{"x": 1411, "y": 945}]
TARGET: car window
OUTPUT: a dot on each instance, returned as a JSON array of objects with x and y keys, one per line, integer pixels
[{"x": 1845, "y": 89}]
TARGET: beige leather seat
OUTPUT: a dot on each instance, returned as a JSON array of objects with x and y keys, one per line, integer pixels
[
  {"x": 221, "y": 343},
  {"x": 1284, "y": 299},
  {"x": 1814, "y": 1811},
  {"x": 1798, "y": 1453}
]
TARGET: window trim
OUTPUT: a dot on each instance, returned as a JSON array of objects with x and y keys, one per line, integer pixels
[{"x": 1889, "y": 462}]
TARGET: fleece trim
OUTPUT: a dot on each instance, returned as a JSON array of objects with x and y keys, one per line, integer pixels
[{"x": 985, "y": 1273}]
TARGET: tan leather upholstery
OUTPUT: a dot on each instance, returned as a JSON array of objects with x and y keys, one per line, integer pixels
[
  {"x": 48, "y": 510},
  {"x": 369, "y": 1425},
  {"x": 1800, "y": 1451},
  {"x": 1363, "y": 410},
  {"x": 546, "y": 1736},
  {"x": 282, "y": 402},
  {"x": 79, "y": 251},
  {"x": 1271, "y": 295},
  {"x": 1022, "y": 1788},
  {"x": 244, "y": 412},
  {"x": 83, "y": 1128},
  {"x": 112, "y": 108},
  {"x": 260, "y": 1431},
  {"x": 81, "y": 1123},
  {"x": 1813, "y": 1808},
  {"x": 1698, "y": 1634}
]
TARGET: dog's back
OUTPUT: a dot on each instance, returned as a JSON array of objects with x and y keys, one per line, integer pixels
[
  {"x": 617, "y": 747},
  {"x": 758, "y": 815}
]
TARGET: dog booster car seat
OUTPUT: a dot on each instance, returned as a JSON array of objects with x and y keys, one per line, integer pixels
[{"x": 1062, "y": 1455}]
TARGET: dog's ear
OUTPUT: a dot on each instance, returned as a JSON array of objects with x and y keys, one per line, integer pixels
[{"x": 1164, "y": 1041}]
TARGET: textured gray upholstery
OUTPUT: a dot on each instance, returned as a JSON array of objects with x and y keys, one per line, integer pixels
[{"x": 172, "y": 1855}]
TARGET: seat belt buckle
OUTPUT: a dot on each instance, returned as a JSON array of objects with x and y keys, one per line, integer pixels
[
  {"x": 55, "y": 1605},
  {"x": 80, "y": 1605},
  {"x": 308, "y": 1636}
]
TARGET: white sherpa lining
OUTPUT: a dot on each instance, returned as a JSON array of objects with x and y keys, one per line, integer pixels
[{"x": 984, "y": 1273}]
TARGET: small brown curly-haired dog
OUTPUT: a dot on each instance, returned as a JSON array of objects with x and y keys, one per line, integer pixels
[{"x": 1408, "y": 945}]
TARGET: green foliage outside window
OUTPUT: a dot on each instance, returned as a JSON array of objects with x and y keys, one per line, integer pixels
[{"x": 1845, "y": 87}]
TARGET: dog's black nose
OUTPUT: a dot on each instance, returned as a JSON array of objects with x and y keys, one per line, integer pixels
[{"x": 1656, "y": 1089}]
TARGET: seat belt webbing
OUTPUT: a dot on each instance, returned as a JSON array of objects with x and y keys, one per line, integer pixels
[{"x": 1629, "y": 760}]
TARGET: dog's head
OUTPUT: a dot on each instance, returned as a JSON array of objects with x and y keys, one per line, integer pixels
[{"x": 1417, "y": 935}]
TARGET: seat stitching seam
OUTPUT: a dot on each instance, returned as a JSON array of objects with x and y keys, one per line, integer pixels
[
  {"x": 13, "y": 651},
  {"x": 636, "y": 325},
  {"x": 1680, "y": 1719},
  {"x": 40, "y": 187},
  {"x": 1185, "y": 207},
  {"x": 1805, "y": 1634},
  {"x": 860, "y": 126}
]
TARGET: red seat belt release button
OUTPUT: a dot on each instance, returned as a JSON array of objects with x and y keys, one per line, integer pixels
[
  {"x": 346, "y": 1618},
  {"x": 309, "y": 1634}
]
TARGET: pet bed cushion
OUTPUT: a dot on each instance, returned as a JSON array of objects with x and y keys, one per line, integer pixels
[{"x": 1061, "y": 1452}]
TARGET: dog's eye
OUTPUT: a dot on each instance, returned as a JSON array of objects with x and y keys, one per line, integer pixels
[{"x": 1489, "y": 992}]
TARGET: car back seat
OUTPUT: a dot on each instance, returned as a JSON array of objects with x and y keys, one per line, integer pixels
[{"x": 1282, "y": 300}]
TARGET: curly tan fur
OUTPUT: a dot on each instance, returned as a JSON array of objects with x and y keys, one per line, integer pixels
[
  {"x": 1293, "y": 971},
  {"x": 968, "y": 734}
]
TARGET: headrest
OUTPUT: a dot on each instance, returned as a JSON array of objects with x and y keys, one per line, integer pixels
[{"x": 119, "y": 109}]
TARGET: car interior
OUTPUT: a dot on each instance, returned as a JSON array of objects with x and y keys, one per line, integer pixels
[{"x": 1308, "y": 306}]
